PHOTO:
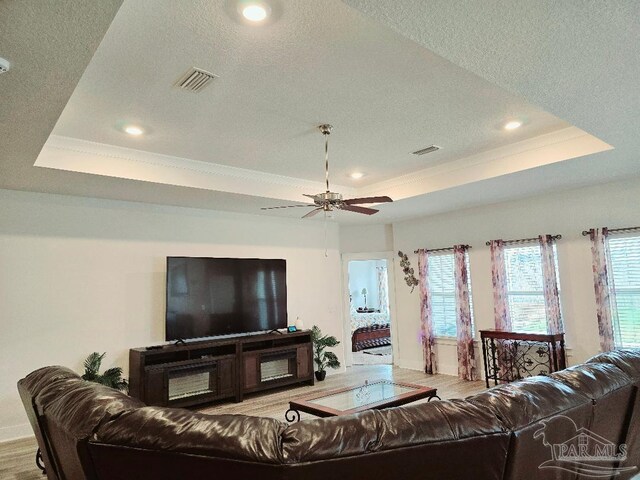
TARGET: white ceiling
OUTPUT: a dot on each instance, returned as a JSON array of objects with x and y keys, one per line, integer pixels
[
  {"x": 320, "y": 62},
  {"x": 392, "y": 76}
]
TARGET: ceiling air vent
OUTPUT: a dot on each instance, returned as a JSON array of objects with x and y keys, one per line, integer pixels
[
  {"x": 195, "y": 80},
  {"x": 429, "y": 149}
]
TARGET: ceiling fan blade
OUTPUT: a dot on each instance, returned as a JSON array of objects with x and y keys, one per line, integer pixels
[
  {"x": 310, "y": 196},
  {"x": 366, "y": 211},
  {"x": 313, "y": 212},
  {"x": 355, "y": 201},
  {"x": 286, "y": 206}
]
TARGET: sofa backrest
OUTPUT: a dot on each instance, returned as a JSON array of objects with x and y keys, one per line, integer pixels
[
  {"x": 504, "y": 433},
  {"x": 524, "y": 407},
  {"x": 417, "y": 441},
  {"x": 69, "y": 410},
  {"x": 186, "y": 444},
  {"x": 28, "y": 388},
  {"x": 628, "y": 361}
]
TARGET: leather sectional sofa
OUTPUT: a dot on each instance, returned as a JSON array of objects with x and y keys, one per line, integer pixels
[{"x": 87, "y": 431}]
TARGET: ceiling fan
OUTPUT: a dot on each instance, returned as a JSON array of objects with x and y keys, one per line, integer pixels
[{"x": 328, "y": 201}]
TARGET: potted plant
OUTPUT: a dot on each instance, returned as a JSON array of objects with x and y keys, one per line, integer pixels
[
  {"x": 111, "y": 377},
  {"x": 322, "y": 358}
]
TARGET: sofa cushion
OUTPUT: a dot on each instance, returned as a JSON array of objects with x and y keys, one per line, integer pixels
[
  {"x": 79, "y": 406},
  {"x": 36, "y": 380},
  {"x": 422, "y": 440},
  {"x": 323, "y": 438},
  {"x": 529, "y": 400},
  {"x": 593, "y": 379},
  {"x": 28, "y": 388},
  {"x": 72, "y": 409},
  {"x": 627, "y": 360},
  {"x": 525, "y": 407},
  {"x": 177, "y": 430},
  {"x": 378, "y": 430}
]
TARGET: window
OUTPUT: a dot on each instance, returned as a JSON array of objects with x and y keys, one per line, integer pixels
[
  {"x": 442, "y": 287},
  {"x": 525, "y": 290},
  {"x": 625, "y": 266}
]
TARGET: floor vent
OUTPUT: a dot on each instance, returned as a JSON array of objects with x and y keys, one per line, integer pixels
[
  {"x": 195, "y": 80},
  {"x": 429, "y": 149}
]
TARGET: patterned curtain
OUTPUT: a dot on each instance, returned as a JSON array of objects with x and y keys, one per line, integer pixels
[
  {"x": 427, "y": 336},
  {"x": 502, "y": 317},
  {"x": 383, "y": 294},
  {"x": 466, "y": 351},
  {"x": 603, "y": 285},
  {"x": 550, "y": 285},
  {"x": 499, "y": 277}
]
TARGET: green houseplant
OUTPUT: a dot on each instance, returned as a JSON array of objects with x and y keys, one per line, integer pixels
[
  {"x": 111, "y": 377},
  {"x": 322, "y": 358}
]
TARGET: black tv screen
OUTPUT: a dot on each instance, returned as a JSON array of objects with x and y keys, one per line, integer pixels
[{"x": 220, "y": 296}]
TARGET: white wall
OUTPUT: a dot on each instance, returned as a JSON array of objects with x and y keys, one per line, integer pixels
[
  {"x": 566, "y": 213},
  {"x": 80, "y": 275},
  {"x": 366, "y": 238}
]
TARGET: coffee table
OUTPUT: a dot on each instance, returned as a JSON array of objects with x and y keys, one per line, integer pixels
[{"x": 375, "y": 395}]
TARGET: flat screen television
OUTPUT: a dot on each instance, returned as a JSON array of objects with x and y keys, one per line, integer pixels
[{"x": 220, "y": 296}]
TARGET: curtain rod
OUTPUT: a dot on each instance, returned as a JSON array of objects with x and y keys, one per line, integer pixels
[
  {"x": 614, "y": 230},
  {"x": 446, "y": 249},
  {"x": 525, "y": 240}
]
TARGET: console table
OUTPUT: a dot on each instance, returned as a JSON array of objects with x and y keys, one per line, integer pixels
[
  {"x": 203, "y": 371},
  {"x": 510, "y": 356}
]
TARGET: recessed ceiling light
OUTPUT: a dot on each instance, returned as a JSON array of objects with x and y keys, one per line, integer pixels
[
  {"x": 4, "y": 65},
  {"x": 133, "y": 130},
  {"x": 255, "y": 12},
  {"x": 512, "y": 125},
  {"x": 356, "y": 175}
]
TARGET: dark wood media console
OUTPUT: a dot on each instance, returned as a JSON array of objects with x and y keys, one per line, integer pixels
[{"x": 209, "y": 370}]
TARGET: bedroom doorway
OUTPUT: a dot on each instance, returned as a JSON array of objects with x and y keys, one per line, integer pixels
[{"x": 368, "y": 309}]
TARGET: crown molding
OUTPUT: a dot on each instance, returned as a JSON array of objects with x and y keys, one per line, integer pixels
[
  {"x": 72, "y": 154},
  {"x": 77, "y": 155},
  {"x": 564, "y": 144}
]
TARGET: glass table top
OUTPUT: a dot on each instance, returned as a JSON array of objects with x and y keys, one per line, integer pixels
[{"x": 365, "y": 394}]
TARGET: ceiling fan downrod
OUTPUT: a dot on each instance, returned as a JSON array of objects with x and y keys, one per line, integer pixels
[{"x": 325, "y": 129}]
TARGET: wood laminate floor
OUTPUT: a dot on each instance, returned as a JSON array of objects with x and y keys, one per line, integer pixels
[{"x": 17, "y": 458}]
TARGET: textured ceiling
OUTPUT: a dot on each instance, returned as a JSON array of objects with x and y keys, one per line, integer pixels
[
  {"x": 49, "y": 44},
  {"x": 319, "y": 62},
  {"x": 576, "y": 60}
]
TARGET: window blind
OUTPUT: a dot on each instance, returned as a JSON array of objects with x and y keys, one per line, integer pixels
[
  {"x": 625, "y": 265},
  {"x": 442, "y": 288},
  {"x": 525, "y": 290}
]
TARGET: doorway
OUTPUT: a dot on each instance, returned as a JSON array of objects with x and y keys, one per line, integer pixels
[{"x": 369, "y": 296}]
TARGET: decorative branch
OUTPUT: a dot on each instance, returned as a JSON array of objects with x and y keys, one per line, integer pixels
[{"x": 409, "y": 276}]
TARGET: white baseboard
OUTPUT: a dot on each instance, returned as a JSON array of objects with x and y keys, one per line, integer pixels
[
  {"x": 14, "y": 432},
  {"x": 443, "y": 369},
  {"x": 410, "y": 364}
]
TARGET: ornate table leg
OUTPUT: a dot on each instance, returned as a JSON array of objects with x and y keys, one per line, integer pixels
[
  {"x": 292, "y": 415},
  {"x": 39, "y": 463}
]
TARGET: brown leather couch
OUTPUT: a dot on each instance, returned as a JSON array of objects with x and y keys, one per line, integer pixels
[{"x": 87, "y": 431}]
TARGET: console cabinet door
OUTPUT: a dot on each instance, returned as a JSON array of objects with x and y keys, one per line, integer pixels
[
  {"x": 251, "y": 370},
  {"x": 226, "y": 377},
  {"x": 155, "y": 387},
  {"x": 304, "y": 361}
]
